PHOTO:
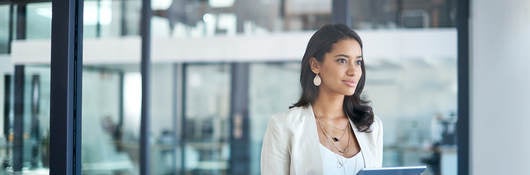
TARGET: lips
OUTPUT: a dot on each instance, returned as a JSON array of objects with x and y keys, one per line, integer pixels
[{"x": 349, "y": 83}]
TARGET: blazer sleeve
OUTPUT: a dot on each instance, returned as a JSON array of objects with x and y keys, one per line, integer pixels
[
  {"x": 379, "y": 141},
  {"x": 275, "y": 152}
]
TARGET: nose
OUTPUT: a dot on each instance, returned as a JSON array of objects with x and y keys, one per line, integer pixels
[{"x": 351, "y": 70}]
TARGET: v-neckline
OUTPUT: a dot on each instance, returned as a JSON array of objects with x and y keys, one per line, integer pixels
[{"x": 355, "y": 132}]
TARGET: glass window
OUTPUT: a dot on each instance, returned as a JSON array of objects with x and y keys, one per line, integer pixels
[
  {"x": 207, "y": 107},
  {"x": 4, "y": 28},
  {"x": 39, "y": 20},
  {"x": 267, "y": 98},
  {"x": 380, "y": 14},
  {"x": 164, "y": 116},
  {"x": 104, "y": 147},
  {"x": 199, "y": 18},
  {"x": 417, "y": 100},
  {"x": 104, "y": 18},
  {"x": 35, "y": 121}
]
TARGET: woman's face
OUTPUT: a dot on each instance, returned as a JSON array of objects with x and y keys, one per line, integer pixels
[{"x": 340, "y": 70}]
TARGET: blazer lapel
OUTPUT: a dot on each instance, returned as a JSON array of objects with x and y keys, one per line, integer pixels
[
  {"x": 311, "y": 149},
  {"x": 361, "y": 138}
]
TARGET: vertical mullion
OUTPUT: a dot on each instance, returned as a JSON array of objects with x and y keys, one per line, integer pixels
[
  {"x": 463, "y": 122},
  {"x": 21, "y": 21},
  {"x": 177, "y": 112},
  {"x": 7, "y": 109},
  {"x": 121, "y": 77},
  {"x": 341, "y": 13},
  {"x": 10, "y": 34},
  {"x": 65, "y": 90},
  {"x": 18, "y": 123},
  {"x": 78, "y": 80},
  {"x": 145, "y": 70},
  {"x": 98, "y": 19},
  {"x": 239, "y": 120},
  {"x": 183, "y": 119},
  {"x": 123, "y": 21}
]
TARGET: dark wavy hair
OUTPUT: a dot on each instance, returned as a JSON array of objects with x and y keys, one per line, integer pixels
[{"x": 358, "y": 110}]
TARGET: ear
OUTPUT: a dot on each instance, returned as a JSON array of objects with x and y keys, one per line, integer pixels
[{"x": 315, "y": 65}]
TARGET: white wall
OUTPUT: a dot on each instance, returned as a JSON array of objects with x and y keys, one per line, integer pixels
[{"x": 500, "y": 83}]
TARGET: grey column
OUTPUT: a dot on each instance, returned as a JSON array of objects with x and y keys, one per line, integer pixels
[
  {"x": 18, "y": 124},
  {"x": 463, "y": 102},
  {"x": 21, "y": 21},
  {"x": 341, "y": 13},
  {"x": 65, "y": 90},
  {"x": 146, "y": 73},
  {"x": 239, "y": 120}
]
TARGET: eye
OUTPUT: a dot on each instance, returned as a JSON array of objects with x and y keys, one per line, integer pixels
[
  {"x": 359, "y": 62},
  {"x": 342, "y": 60}
]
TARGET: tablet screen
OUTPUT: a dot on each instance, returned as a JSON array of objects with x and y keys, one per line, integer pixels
[{"x": 407, "y": 170}]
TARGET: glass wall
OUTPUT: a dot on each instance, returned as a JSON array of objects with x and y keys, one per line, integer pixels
[
  {"x": 26, "y": 97},
  {"x": 416, "y": 99},
  {"x": 111, "y": 18},
  {"x": 105, "y": 150},
  {"x": 166, "y": 118},
  {"x": 273, "y": 88},
  {"x": 111, "y": 106},
  {"x": 384, "y": 14},
  {"x": 199, "y": 18},
  {"x": 190, "y": 111},
  {"x": 102, "y": 18},
  {"x": 4, "y": 28},
  {"x": 207, "y": 106},
  {"x": 39, "y": 20},
  {"x": 25, "y": 139}
]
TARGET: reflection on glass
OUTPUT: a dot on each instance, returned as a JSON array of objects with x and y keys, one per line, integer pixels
[
  {"x": 206, "y": 119},
  {"x": 163, "y": 119},
  {"x": 39, "y": 20},
  {"x": 181, "y": 18},
  {"x": 35, "y": 121},
  {"x": 273, "y": 88},
  {"x": 381, "y": 14},
  {"x": 416, "y": 99},
  {"x": 103, "y": 151},
  {"x": 4, "y": 31}
]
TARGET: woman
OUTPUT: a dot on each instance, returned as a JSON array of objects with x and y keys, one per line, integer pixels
[{"x": 330, "y": 130}]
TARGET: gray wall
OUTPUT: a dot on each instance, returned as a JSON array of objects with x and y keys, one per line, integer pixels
[{"x": 500, "y": 83}]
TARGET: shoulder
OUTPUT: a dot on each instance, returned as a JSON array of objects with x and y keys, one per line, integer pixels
[
  {"x": 378, "y": 123},
  {"x": 377, "y": 126},
  {"x": 290, "y": 118}
]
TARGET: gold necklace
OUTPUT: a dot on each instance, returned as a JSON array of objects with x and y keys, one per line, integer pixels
[
  {"x": 335, "y": 139},
  {"x": 333, "y": 127},
  {"x": 342, "y": 151},
  {"x": 340, "y": 159}
]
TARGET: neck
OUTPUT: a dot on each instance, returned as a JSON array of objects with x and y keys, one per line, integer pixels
[{"x": 328, "y": 106}]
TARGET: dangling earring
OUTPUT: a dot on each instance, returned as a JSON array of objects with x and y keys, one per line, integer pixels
[{"x": 317, "y": 80}]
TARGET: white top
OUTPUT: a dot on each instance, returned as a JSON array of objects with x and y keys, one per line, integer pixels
[{"x": 331, "y": 163}]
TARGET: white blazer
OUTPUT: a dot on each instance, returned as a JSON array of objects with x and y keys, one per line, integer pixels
[{"x": 291, "y": 144}]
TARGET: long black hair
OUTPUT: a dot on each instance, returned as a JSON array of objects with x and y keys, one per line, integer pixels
[{"x": 358, "y": 110}]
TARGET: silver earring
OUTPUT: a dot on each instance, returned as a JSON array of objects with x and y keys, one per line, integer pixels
[{"x": 317, "y": 80}]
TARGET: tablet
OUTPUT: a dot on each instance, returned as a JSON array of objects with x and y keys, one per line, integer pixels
[{"x": 406, "y": 170}]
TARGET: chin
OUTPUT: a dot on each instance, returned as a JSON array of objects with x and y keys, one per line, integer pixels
[{"x": 349, "y": 93}]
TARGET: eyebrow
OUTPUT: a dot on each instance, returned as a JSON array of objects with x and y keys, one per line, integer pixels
[{"x": 343, "y": 55}]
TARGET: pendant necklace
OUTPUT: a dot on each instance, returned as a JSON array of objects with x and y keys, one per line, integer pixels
[
  {"x": 335, "y": 139},
  {"x": 330, "y": 138}
]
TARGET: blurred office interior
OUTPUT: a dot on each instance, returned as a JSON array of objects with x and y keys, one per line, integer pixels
[{"x": 220, "y": 69}]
